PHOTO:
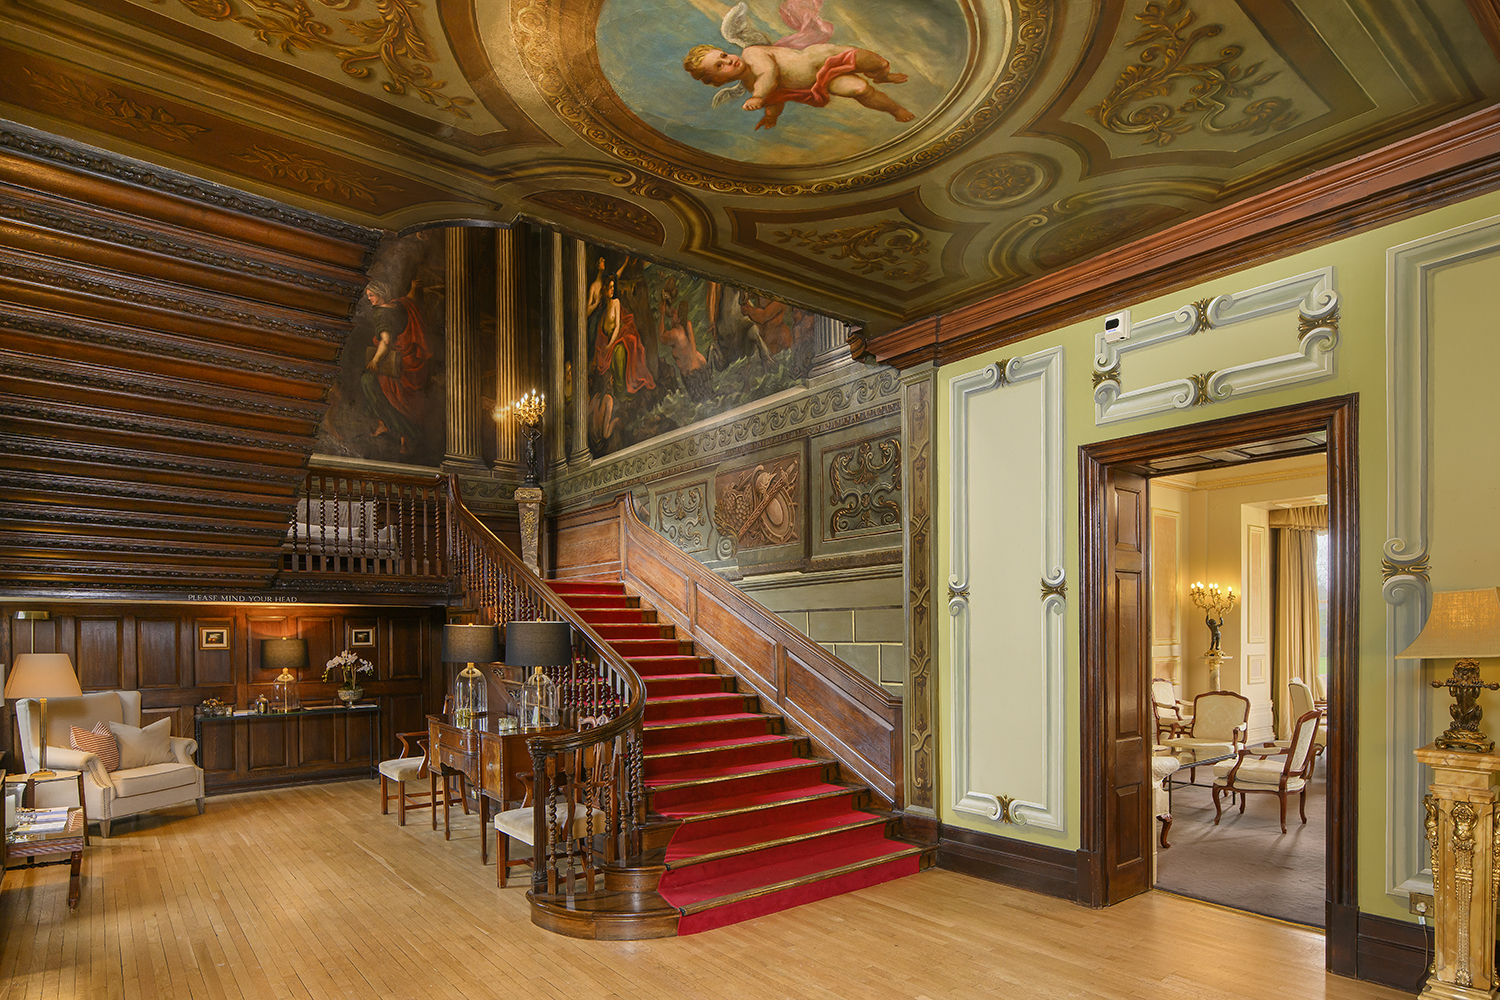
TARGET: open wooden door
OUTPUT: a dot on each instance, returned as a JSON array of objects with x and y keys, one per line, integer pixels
[{"x": 1127, "y": 717}]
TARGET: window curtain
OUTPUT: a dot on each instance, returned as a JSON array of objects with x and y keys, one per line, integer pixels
[{"x": 1295, "y": 537}]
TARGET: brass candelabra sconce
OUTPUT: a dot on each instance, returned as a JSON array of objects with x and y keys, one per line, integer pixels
[
  {"x": 1214, "y": 604},
  {"x": 528, "y": 410}
]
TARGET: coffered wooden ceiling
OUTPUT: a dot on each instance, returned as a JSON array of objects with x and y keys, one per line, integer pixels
[{"x": 1041, "y": 133}]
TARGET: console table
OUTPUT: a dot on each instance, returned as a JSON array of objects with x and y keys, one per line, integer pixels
[
  {"x": 257, "y": 750},
  {"x": 487, "y": 758}
]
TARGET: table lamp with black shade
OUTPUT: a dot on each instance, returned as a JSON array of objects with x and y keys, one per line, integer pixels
[
  {"x": 470, "y": 644},
  {"x": 288, "y": 656},
  {"x": 538, "y": 645},
  {"x": 42, "y": 676}
]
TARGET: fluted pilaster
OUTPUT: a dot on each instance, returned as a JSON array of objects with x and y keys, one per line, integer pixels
[
  {"x": 578, "y": 318},
  {"x": 461, "y": 353},
  {"x": 509, "y": 344},
  {"x": 556, "y": 341}
]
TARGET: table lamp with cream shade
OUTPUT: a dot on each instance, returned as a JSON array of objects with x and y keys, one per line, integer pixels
[
  {"x": 42, "y": 676},
  {"x": 1463, "y": 625}
]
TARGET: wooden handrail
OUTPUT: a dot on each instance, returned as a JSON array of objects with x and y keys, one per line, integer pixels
[
  {"x": 505, "y": 588},
  {"x": 355, "y": 524},
  {"x": 852, "y": 717}
]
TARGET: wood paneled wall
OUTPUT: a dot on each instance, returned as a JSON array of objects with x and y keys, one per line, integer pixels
[{"x": 155, "y": 649}]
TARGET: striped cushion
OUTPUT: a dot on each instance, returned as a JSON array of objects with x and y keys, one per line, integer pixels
[{"x": 100, "y": 742}]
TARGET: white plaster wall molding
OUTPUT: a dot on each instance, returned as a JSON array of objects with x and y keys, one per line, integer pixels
[
  {"x": 1040, "y": 376},
  {"x": 1404, "y": 563},
  {"x": 1312, "y": 296}
]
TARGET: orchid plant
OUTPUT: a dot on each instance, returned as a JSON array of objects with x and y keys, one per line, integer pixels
[{"x": 349, "y": 665}]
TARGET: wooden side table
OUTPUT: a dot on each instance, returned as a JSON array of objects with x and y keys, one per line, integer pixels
[
  {"x": 66, "y": 844},
  {"x": 28, "y": 797}
]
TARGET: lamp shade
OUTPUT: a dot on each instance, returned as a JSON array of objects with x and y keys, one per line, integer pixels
[
  {"x": 283, "y": 654},
  {"x": 1464, "y": 624},
  {"x": 538, "y": 644},
  {"x": 471, "y": 643},
  {"x": 42, "y": 675}
]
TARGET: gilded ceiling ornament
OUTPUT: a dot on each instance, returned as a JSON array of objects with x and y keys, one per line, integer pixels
[
  {"x": 607, "y": 211},
  {"x": 74, "y": 95},
  {"x": 1307, "y": 324},
  {"x": 1416, "y": 567},
  {"x": 1200, "y": 388},
  {"x": 1003, "y": 181},
  {"x": 875, "y": 248},
  {"x": 1216, "y": 81},
  {"x": 394, "y": 39},
  {"x": 313, "y": 174},
  {"x": 1112, "y": 375}
]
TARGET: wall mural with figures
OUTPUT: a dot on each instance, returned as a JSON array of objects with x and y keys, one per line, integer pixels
[
  {"x": 668, "y": 349},
  {"x": 387, "y": 404}
]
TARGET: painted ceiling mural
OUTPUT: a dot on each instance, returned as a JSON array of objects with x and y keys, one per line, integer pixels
[{"x": 875, "y": 160}]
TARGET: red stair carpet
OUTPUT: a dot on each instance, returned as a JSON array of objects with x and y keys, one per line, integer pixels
[{"x": 764, "y": 826}]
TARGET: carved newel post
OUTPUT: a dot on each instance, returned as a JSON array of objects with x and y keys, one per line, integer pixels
[{"x": 1462, "y": 837}]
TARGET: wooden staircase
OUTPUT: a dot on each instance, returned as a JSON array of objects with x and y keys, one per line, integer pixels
[{"x": 743, "y": 819}]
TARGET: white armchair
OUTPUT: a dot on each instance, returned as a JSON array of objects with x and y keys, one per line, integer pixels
[{"x": 108, "y": 795}]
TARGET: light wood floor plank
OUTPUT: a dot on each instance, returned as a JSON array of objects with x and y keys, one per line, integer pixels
[{"x": 309, "y": 894}]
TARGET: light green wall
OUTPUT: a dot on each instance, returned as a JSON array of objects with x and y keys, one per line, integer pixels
[{"x": 1361, "y": 284}]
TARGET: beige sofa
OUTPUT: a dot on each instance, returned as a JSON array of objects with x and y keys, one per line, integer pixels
[{"x": 110, "y": 796}]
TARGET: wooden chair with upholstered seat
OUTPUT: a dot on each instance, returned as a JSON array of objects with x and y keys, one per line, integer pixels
[
  {"x": 1221, "y": 723},
  {"x": 407, "y": 768},
  {"x": 1253, "y": 770},
  {"x": 1169, "y": 718},
  {"x": 583, "y": 809}
]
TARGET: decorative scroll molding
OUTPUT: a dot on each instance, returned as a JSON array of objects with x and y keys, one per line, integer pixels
[
  {"x": 864, "y": 491},
  {"x": 1312, "y": 295},
  {"x": 1045, "y": 366},
  {"x": 1407, "y": 589},
  {"x": 921, "y": 701},
  {"x": 682, "y": 516}
]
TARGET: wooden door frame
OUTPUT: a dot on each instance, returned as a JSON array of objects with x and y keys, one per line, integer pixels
[{"x": 1338, "y": 419}]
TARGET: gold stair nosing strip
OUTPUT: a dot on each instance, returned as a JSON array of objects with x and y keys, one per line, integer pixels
[
  {"x": 729, "y": 852},
  {"x": 738, "y": 717},
  {"x": 729, "y": 746},
  {"x": 850, "y": 790},
  {"x": 766, "y": 890},
  {"x": 715, "y": 779}
]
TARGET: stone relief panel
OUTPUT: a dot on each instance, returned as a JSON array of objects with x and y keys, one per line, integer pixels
[
  {"x": 864, "y": 488},
  {"x": 759, "y": 506},
  {"x": 682, "y": 516}
]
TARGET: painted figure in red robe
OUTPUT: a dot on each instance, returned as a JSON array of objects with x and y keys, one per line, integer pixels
[
  {"x": 394, "y": 381},
  {"x": 617, "y": 346}
]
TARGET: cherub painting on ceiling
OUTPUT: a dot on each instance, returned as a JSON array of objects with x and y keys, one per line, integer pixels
[
  {"x": 803, "y": 66},
  {"x": 824, "y": 80}
]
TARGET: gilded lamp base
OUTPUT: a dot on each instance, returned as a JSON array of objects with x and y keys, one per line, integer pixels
[{"x": 1465, "y": 740}]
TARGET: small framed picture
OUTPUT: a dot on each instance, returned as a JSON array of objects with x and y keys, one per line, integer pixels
[
  {"x": 361, "y": 637},
  {"x": 213, "y": 637}
]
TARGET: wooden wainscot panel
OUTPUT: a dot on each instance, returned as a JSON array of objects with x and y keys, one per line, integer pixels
[
  {"x": 99, "y": 653},
  {"x": 267, "y": 744},
  {"x": 212, "y": 666},
  {"x": 405, "y": 648},
  {"x": 588, "y": 544},
  {"x": 723, "y": 628},
  {"x": 668, "y": 585},
  {"x": 218, "y": 749},
  {"x": 358, "y": 732},
  {"x": 157, "y": 642},
  {"x": 322, "y": 642},
  {"x": 402, "y": 713},
  {"x": 317, "y": 738},
  {"x": 819, "y": 700}
]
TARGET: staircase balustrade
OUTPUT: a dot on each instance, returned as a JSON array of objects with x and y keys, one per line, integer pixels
[
  {"x": 349, "y": 525},
  {"x": 593, "y": 761}
]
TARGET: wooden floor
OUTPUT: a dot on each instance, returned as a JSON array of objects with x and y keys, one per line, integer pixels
[{"x": 310, "y": 892}]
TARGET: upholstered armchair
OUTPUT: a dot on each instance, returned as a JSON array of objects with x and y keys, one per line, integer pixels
[
  {"x": 1169, "y": 718},
  {"x": 1221, "y": 722},
  {"x": 1279, "y": 774},
  {"x": 109, "y": 795}
]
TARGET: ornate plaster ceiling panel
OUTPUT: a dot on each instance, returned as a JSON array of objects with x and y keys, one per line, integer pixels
[{"x": 880, "y": 160}]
